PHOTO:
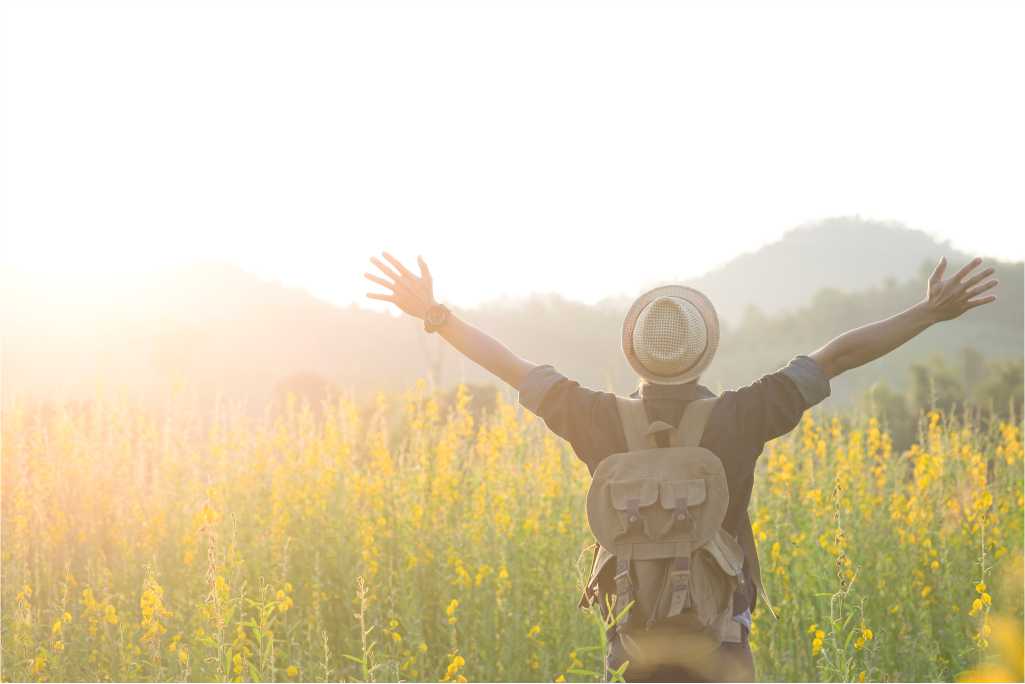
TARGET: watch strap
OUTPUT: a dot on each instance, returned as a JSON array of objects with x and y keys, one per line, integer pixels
[{"x": 439, "y": 311}]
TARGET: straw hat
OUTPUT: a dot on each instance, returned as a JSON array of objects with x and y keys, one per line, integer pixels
[{"x": 670, "y": 334}]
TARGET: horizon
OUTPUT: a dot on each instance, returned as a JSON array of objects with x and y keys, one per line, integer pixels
[{"x": 87, "y": 289}]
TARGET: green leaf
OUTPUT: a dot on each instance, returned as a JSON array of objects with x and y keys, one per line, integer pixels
[
  {"x": 586, "y": 649},
  {"x": 353, "y": 658}
]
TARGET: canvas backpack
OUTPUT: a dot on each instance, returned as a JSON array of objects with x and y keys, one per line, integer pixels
[{"x": 657, "y": 515}]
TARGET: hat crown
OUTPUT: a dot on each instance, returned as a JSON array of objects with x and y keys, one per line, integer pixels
[{"x": 670, "y": 336}]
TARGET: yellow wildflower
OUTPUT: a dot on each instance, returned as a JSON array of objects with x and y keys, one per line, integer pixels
[{"x": 450, "y": 611}]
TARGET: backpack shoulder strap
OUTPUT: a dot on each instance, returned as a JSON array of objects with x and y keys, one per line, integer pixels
[
  {"x": 635, "y": 423},
  {"x": 692, "y": 425}
]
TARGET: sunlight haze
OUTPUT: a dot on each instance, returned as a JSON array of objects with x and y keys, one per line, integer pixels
[{"x": 585, "y": 152}]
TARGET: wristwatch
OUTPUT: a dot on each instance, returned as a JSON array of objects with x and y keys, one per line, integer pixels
[{"x": 435, "y": 317}]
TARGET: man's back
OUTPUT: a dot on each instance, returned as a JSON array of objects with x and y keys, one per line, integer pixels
[{"x": 742, "y": 421}]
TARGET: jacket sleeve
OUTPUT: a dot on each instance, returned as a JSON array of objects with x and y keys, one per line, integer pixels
[
  {"x": 773, "y": 405},
  {"x": 577, "y": 414}
]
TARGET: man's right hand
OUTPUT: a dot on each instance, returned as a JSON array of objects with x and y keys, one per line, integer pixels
[{"x": 412, "y": 294}]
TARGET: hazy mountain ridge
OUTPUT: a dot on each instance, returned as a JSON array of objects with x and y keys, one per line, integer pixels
[
  {"x": 846, "y": 253},
  {"x": 221, "y": 330}
]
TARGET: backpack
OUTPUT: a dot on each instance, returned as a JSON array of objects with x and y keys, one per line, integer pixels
[{"x": 658, "y": 514}]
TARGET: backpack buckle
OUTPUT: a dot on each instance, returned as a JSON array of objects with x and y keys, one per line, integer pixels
[
  {"x": 681, "y": 520},
  {"x": 634, "y": 521}
]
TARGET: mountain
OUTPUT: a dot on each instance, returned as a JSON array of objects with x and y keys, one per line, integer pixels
[
  {"x": 219, "y": 332},
  {"x": 847, "y": 253}
]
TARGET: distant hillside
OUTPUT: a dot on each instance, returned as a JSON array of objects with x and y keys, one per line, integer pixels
[
  {"x": 849, "y": 254},
  {"x": 220, "y": 332}
]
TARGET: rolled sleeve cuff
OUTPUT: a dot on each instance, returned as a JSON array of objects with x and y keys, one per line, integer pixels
[
  {"x": 811, "y": 382},
  {"x": 535, "y": 386}
]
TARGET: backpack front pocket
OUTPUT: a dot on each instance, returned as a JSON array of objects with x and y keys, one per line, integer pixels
[
  {"x": 628, "y": 498},
  {"x": 712, "y": 587},
  {"x": 682, "y": 499}
]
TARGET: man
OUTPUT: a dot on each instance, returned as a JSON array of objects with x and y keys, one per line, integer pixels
[{"x": 670, "y": 335}]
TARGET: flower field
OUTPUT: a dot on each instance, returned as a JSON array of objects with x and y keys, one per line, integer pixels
[{"x": 411, "y": 540}]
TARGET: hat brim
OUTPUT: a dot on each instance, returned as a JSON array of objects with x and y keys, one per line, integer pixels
[{"x": 707, "y": 311}]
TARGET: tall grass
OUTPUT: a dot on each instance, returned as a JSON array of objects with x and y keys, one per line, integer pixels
[{"x": 412, "y": 542}]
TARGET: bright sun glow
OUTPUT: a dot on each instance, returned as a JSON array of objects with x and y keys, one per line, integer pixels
[{"x": 520, "y": 149}]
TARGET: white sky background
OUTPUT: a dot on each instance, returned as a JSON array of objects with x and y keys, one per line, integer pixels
[{"x": 520, "y": 149}]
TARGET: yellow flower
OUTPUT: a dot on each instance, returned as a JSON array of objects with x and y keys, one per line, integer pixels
[
  {"x": 453, "y": 667},
  {"x": 39, "y": 663},
  {"x": 66, "y": 617},
  {"x": 292, "y": 671},
  {"x": 451, "y": 611},
  {"x": 819, "y": 634},
  {"x": 866, "y": 634},
  {"x": 926, "y": 590},
  {"x": 534, "y": 631},
  {"x": 422, "y": 647},
  {"x": 56, "y": 628},
  {"x": 980, "y": 587},
  {"x": 816, "y": 646},
  {"x": 183, "y": 656},
  {"x": 859, "y": 643},
  {"x": 560, "y": 678}
]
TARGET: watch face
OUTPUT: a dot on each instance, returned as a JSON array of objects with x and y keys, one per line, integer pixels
[{"x": 435, "y": 315}]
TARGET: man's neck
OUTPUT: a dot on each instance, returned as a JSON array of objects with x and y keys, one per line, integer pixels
[{"x": 688, "y": 390}]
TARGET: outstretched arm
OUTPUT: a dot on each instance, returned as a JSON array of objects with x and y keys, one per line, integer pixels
[
  {"x": 415, "y": 295},
  {"x": 944, "y": 300}
]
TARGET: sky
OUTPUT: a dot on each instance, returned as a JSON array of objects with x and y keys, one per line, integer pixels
[{"x": 541, "y": 147}]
